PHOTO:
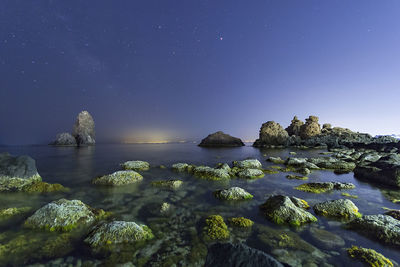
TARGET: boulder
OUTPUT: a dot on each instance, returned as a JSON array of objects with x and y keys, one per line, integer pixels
[
  {"x": 64, "y": 139},
  {"x": 247, "y": 164},
  {"x": 118, "y": 178},
  {"x": 310, "y": 128},
  {"x": 215, "y": 228},
  {"x": 287, "y": 210},
  {"x": 340, "y": 208},
  {"x": 272, "y": 134},
  {"x": 324, "y": 187},
  {"x": 83, "y": 129},
  {"x": 369, "y": 256},
  {"x": 250, "y": 173},
  {"x": 382, "y": 227},
  {"x": 295, "y": 126},
  {"x": 171, "y": 184},
  {"x": 180, "y": 167},
  {"x": 8, "y": 213},
  {"x": 63, "y": 215},
  {"x": 136, "y": 165},
  {"x": 221, "y": 139},
  {"x": 233, "y": 193},
  {"x": 209, "y": 173},
  {"x": 238, "y": 255}
]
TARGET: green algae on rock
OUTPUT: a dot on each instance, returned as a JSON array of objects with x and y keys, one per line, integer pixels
[
  {"x": 136, "y": 165},
  {"x": 118, "y": 178},
  {"x": 171, "y": 184},
  {"x": 180, "y": 167},
  {"x": 287, "y": 210},
  {"x": 215, "y": 228},
  {"x": 209, "y": 173},
  {"x": 340, "y": 208},
  {"x": 43, "y": 187},
  {"x": 369, "y": 257},
  {"x": 241, "y": 222},
  {"x": 11, "y": 212},
  {"x": 247, "y": 164},
  {"x": 276, "y": 160},
  {"x": 318, "y": 188},
  {"x": 117, "y": 232},
  {"x": 63, "y": 215},
  {"x": 349, "y": 195},
  {"x": 297, "y": 177},
  {"x": 233, "y": 193},
  {"x": 250, "y": 173}
]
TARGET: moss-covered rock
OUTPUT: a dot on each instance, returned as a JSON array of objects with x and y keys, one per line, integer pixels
[
  {"x": 11, "y": 212},
  {"x": 269, "y": 171},
  {"x": 136, "y": 165},
  {"x": 287, "y": 210},
  {"x": 394, "y": 213},
  {"x": 118, "y": 178},
  {"x": 215, "y": 228},
  {"x": 369, "y": 257},
  {"x": 318, "y": 188},
  {"x": 325, "y": 239},
  {"x": 63, "y": 215},
  {"x": 247, "y": 164},
  {"x": 107, "y": 235},
  {"x": 43, "y": 187},
  {"x": 241, "y": 222},
  {"x": 349, "y": 195},
  {"x": 340, "y": 208},
  {"x": 250, "y": 173},
  {"x": 209, "y": 173},
  {"x": 297, "y": 177},
  {"x": 276, "y": 160},
  {"x": 180, "y": 167},
  {"x": 233, "y": 193},
  {"x": 171, "y": 184}
]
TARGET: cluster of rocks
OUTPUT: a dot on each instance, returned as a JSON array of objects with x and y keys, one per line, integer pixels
[{"x": 83, "y": 133}]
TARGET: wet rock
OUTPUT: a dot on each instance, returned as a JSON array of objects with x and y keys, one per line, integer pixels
[
  {"x": 221, "y": 139},
  {"x": 272, "y": 134},
  {"x": 297, "y": 177},
  {"x": 295, "y": 126},
  {"x": 209, "y": 173},
  {"x": 63, "y": 215},
  {"x": 136, "y": 165},
  {"x": 324, "y": 187},
  {"x": 369, "y": 256},
  {"x": 394, "y": 213},
  {"x": 247, "y": 164},
  {"x": 118, "y": 178},
  {"x": 223, "y": 166},
  {"x": 64, "y": 139},
  {"x": 11, "y": 212},
  {"x": 171, "y": 184},
  {"x": 215, "y": 228},
  {"x": 250, "y": 173},
  {"x": 180, "y": 167},
  {"x": 235, "y": 255},
  {"x": 286, "y": 210},
  {"x": 333, "y": 163},
  {"x": 310, "y": 128},
  {"x": 106, "y": 235},
  {"x": 83, "y": 129},
  {"x": 325, "y": 238},
  {"x": 233, "y": 193},
  {"x": 382, "y": 227},
  {"x": 276, "y": 160},
  {"x": 241, "y": 222},
  {"x": 340, "y": 208}
]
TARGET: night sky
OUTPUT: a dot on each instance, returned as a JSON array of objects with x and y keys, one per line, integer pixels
[{"x": 179, "y": 70}]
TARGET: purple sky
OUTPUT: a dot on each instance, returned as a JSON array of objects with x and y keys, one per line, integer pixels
[{"x": 177, "y": 70}]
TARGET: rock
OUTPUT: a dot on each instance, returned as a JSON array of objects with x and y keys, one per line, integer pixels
[
  {"x": 250, "y": 173},
  {"x": 325, "y": 238},
  {"x": 136, "y": 165},
  {"x": 11, "y": 212},
  {"x": 382, "y": 227},
  {"x": 340, "y": 208},
  {"x": 165, "y": 208},
  {"x": 326, "y": 126},
  {"x": 324, "y": 187},
  {"x": 276, "y": 160},
  {"x": 171, "y": 184},
  {"x": 272, "y": 134},
  {"x": 64, "y": 139},
  {"x": 83, "y": 129},
  {"x": 369, "y": 256},
  {"x": 209, "y": 173},
  {"x": 394, "y": 213},
  {"x": 238, "y": 255},
  {"x": 118, "y": 178},
  {"x": 241, "y": 222},
  {"x": 297, "y": 177},
  {"x": 180, "y": 167},
  {"x": 247, "y": 164},
  {"x": 221, "y": 139},
  {"x": 117, "y": 233},
  {"x": 282, "y": 210},
  {"x": 63, "y": 215},
  {"x": 310, "y": 128},
  {"x": 223, "y": 166},
  {"x": 233, "y": 193},
  {"x": 333, "y": 163},
  {"x": 215, "y": 228},
  {"x": 295, "y": 126},
  {"x": 17, "y": 172}
]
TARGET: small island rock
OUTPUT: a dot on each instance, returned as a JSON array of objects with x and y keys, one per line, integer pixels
[{"x": 221, "y": 139}]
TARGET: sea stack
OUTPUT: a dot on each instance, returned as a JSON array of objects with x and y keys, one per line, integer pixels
[
  {"x": 272, "y": 134},
  {"x": 221, "y": 139}
]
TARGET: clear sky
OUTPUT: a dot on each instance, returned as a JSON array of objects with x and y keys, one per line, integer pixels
[{"x": 172, "y": 70}]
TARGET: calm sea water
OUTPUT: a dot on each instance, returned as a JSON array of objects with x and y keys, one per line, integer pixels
[{"x": 75, "y": 168}]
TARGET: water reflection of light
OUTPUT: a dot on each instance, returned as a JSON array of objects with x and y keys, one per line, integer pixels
[{"x": 151, "y": 137}]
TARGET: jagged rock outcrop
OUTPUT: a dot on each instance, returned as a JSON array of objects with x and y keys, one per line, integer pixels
[
  {"x": 310, "y": 128},
  {"x": 272, "y": 134},
  {"x": 64, "y": 139},
  {"x": 295, "y": 126},
  {"x": 221, "y": 139},
  {"x": 83, "y": 130}
]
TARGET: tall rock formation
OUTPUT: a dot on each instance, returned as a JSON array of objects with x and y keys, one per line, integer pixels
[
  {"x": 294, "y": 127},
  {"x": 83, "y": 130},
  {"x": 271, "y": 134},
  {"x": 310, "y": 128}
]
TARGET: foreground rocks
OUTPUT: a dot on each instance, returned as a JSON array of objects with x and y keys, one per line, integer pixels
[
  {"x": 340, "y": 208},
  {"x": 235, "y": 255},
  {"x": 136, "y": 165},
  {"x": 118, "y": 178},
  {"x": 215, "y": 228},
  {"x": 369, "y": 256},
  {"x": 221, "y": 139},
  {"x": 233, "y": 193},
  {"x": 318, "y": 188}
]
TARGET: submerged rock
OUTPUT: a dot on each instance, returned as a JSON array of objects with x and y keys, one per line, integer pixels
[
  {"x": 369, "y": 257},
  {"x": 250, "y": 173},
  {"x": 221, "y": 139},
  {"x": 238, "y": 255},
  {"x": 83, "y": 129},
  {"x": 106, "y": 235},
  {"x": 325, "y": 238},
  {"x": 63, "y": 215},
  {"x": 340, "y": 208},
  {"x": 11, "y": 212},
  {"x": 118, "y": 178},
  {"x": 215, "y": 228},
  {"x": 171, "y": 184},
  {"x": 209, "y": 173},
  {"x": 247, "y": 164},
  {"x": 180, "y": 167},
  {"x": 136, "y": 165},
  {"x": 276, "y": 160},
  {"x": 272, "y": 134},
  {"x": 318, "y": 188},
  {"x": 382, "y": 227},
  {"x": 287, "y": 210},
  {"x": 233, "y": 193},
  {"x": 64, "y": 139}
]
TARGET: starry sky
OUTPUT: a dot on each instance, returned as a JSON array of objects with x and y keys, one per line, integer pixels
[{"x": 179, "y": 70}]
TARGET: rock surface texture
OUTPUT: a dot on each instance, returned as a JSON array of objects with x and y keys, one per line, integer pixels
[
  {"x": 272, "y": 134},
  {"x": 83, "y": 129},
  {"x": 221, "y": 139}
]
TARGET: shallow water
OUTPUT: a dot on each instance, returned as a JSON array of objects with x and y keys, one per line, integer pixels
[{"x": 179, "y": 236}]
